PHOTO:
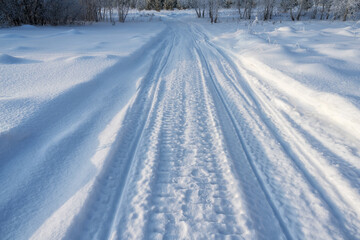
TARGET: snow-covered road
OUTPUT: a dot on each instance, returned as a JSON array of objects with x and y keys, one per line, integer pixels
[{"x": 206, "y": 145}]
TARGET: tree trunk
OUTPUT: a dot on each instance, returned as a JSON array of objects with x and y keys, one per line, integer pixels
[
  {"x": 315, "y": 10},
  {"x": 345, "y": 14},
  {"x": 198, "y": 12},
  {"x": 298, "y": 15},
  {"x": 292, "y": 15},
  {"x": 322, "y": 11}
]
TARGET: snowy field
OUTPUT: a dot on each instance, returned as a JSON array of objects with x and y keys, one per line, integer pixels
[{"x": 168, "y": 127}]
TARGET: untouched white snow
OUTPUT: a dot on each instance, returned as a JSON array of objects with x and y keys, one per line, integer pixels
[{"x": 180, "y": 129}]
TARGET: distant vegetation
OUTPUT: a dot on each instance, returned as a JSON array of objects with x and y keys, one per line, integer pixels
[{"x": 57, "y": 12}]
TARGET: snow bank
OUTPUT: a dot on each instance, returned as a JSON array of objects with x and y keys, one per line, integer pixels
[{"x": 53, "y": 84}]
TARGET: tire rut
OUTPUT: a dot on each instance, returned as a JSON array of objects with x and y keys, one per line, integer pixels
[
  {"x": 97, "y": 216},
  {"x": 229, "y": 90}
]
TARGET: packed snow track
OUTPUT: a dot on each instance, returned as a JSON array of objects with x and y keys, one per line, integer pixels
[{"x": 205, "y": 147}]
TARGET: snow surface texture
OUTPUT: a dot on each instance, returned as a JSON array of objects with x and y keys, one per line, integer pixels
[{"x": 179, "y": 129}]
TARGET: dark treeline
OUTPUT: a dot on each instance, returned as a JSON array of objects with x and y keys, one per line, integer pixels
[
  {"x": 40, "y": 12},
  {"x": 56, "y": 12},
  {"x": 294, "y": 9}
]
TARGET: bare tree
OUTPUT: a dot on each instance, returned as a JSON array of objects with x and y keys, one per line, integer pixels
[
  {"x": 213, "y": 6},
  {"x": 140, "y": 4},
  {"x": 169, "y": 4},
  {"x": 247, "y": 5},
  {"x": 17, "y": 12},
  {"x": 315, "y": 4},
  {"x": 10, "y": 12},
  {"x": 267, "y": 8},
  {"x": 198, "y": 5},
  {"x": 343, "y": 8},
  {"x": 325, "y": 8},
  {"x": 123, "y": 7}
]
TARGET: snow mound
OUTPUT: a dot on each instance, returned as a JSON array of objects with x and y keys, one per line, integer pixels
[
  {"x": 73, "y": 32},
  {"x": 285, "y": 29},
  {"x": 89, "y": 57},
  {"x": 346, "y": 32},
  {"x": 80, "y": 58},
  {"x": 23, "y": 48},
  {"x": 8, "y": 59},
  {"x": 11, "y": 35},
  {"x": 27, "y": 27},
  {"x": 299, "y": 23},
  {"x": 111, "y": 56}
]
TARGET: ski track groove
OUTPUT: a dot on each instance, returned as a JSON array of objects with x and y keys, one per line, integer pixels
[
  {"x": 118, "y": 165},
  {"x": 300, "y": 157},
  {"x": 155, "y": 97},
  {"x": 187, "y": 162},
  {"x": 244, "y": 147},
  {"x": 49, "y": 133},
  {"x": 286, "y": 148},
  {"x": 300, "y": 135},
  {"x": 295, "y": 154},
  {"x": 165, "y": 158}
]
